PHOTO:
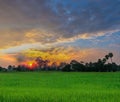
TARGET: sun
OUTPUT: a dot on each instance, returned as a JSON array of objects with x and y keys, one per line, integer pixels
[{"x": 30, "y": 64}]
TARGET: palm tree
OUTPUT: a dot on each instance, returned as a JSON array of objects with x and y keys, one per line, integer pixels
[
  {"x": 99, "y": 61},
  {"x": 106, "y": 57},
  {"x": 111, "y": 55},
  {"x": 104, "y": 60}
]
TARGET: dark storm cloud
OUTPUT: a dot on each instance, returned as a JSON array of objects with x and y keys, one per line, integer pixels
[{"x": 65, "y": 17}]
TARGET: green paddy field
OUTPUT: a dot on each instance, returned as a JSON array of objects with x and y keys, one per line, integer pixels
[{"x": 59, "y": 87}]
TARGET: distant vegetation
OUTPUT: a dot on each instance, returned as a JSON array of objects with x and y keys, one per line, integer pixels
[{"x": 102, "y": 65}]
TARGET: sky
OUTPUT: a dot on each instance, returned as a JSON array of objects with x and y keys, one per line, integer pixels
[{"x": 59, "y": 30}]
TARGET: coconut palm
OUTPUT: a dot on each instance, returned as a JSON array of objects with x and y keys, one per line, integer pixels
[
  {"x": 106, "y": 57},
  {"x": 111, "y": 55},
  {"x": 104, "y": 60}
]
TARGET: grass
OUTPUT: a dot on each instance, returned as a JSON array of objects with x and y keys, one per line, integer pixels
[{"x": 59, "y": 87}]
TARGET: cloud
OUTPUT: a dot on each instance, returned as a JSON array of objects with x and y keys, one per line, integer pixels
[
  {"x": 49, "y": 25},
  {"x": 57, "y": 54},
  {"x": 50, "y": 21},
  {"x": 66, "y": 18},
  {"x": 20, "y": 48},
  {"x": 7, "y": 59}
]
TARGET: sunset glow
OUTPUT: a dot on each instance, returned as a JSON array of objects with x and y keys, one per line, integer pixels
[
  {"x": 59, "y": 50},
  {"x": 30, "y": 64},
  {"x": 58, "y": 30}
]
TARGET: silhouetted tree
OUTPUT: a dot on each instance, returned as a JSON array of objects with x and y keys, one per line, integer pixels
[
  {"x": 107, "y": 57},
  {"x": 98, "y": 66},
  {"x": 10, "y": 68},
  {"x": 62, "y": 65},
  {"x": 104, "y": 60},
  {"x": 111, "y": 55},
  {"x": 67, "y": 68},
  {"x": 1, "y": 68},
  {"x": 76, "y": 66},
  {"x": 114, "y": 67}
]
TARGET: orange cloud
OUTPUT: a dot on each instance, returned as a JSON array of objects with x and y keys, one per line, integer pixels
[
  {"x": 62, "y": 54},
  {"x": 58, "y": 54},
  {"x": 86, "y": 55},
  {"x": 7, "y": 59}
]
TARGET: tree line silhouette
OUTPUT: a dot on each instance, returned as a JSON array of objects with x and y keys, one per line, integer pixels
[{"x": 102, "y": 65}]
